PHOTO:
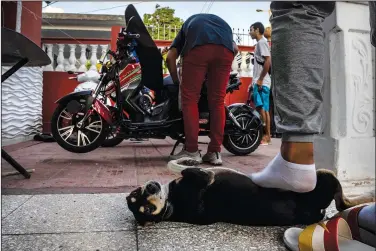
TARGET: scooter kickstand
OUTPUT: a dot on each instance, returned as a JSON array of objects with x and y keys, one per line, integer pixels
[{"x": 181, "y": 140}]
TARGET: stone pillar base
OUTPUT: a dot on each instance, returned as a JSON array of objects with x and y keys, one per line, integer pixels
[
  {"x": 347, "y": 145},
  {"x": 352, "y": 159}
]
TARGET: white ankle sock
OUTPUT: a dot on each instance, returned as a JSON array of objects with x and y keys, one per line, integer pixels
[{"x": 285, "y": 175}]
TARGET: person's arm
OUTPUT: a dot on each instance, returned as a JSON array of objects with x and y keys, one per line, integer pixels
[
  {"x": 173, "y": 55},
  {"x": 236, "y": 48},
  {"x": 265, "y": 68},
  {"x": 265, "y": 53}
]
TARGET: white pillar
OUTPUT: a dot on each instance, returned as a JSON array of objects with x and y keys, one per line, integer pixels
[
  {"x": 60, "y": 58},
  {"x": 72, "y": 57},
  {"x": 19, "y": 16},
  {"x": 243, "y": 65},
  {"x": 93, "y": 59},
  {"x": 104, "y": 48},
  {"x": 234, "y": 66},
  {"x": 83, "y": 58},
  {"x": 250, "y": 66},
  {"x": 347, "y": 145},
  {"x": 50, "y": 55}
]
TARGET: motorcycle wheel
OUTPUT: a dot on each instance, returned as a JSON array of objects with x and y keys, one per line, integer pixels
[
  {"x": 70, "y": 137},
  {"x": 243, "y": 145}
]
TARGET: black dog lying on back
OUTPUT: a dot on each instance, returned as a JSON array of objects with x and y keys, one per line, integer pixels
[{"x": 205, "y": 196}]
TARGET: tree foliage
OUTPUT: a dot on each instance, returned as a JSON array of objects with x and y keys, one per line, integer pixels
[{"x": 162, "y": 24}]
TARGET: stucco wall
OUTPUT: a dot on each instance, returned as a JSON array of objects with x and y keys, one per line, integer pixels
[{"x": 21, "y": 105}]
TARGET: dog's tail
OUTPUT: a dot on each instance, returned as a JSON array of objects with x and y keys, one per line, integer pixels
[
  {"x": 343, "y": 202},
  {"x": 328, "y": 188}
]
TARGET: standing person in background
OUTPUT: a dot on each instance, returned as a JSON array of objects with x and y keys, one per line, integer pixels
[
  {"x": 205, "y": 43},
  {"x": 261, "y": 81}
]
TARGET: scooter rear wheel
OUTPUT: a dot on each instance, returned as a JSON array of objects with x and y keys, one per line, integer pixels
[
  {"x": 247, "y": 143},
  {"x": 74, "y": 139}
]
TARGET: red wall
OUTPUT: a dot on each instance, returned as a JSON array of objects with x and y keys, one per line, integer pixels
[
  {"x": 55, "y": 86},
  {"x": 9, "y": 14},
  {"x": 31, "y": 25}
]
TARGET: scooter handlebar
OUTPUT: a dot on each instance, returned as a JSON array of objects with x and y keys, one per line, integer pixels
[{"x": 129, "y": 35}]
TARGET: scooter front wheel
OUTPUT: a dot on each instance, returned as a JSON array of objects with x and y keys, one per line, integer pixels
[{"x": 74, "y": 138}]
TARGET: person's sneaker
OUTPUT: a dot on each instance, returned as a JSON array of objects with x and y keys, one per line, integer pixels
[
  {"x": 213, "y": 158},
  {"x": 179, "y": 165},
  {"x": 183, "y": 153}
]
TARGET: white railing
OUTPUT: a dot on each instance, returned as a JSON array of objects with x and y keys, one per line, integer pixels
[
  {"x": 167, "y": 32},
  {"x": 74, "y": 57}
]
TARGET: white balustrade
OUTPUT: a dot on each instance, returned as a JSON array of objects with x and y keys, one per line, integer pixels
[
  {"x": 60, "y": 58},
  {"x": 83, "y": 58},
  {"x": 73, "y": 57},
  {"x": 49, "y": 48},
  {"x": 104, "y": 48},
  {"x": 94, "y": 58}
]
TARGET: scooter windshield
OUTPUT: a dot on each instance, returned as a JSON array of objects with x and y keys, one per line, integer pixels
[{"x": 147, "y": 51}]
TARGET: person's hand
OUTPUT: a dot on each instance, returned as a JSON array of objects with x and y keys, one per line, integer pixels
[
  {"x": 177, "y": 82},
  {"x": 259, "y": 83},
  {"x": 249, "y": 87}
]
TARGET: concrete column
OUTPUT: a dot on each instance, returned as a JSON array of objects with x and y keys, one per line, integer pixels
[
  {"x": 22, "y": 93},
  {"x": 347, "y": 145}
]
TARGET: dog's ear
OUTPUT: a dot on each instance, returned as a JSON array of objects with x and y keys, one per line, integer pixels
[{"x": 198, "y": 176}]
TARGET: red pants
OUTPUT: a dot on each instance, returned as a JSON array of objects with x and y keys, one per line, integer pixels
[{"x": 215, "y": 60}]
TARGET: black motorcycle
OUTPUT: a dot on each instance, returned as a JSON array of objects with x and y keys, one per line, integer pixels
[{"x": 82, "y": 120}]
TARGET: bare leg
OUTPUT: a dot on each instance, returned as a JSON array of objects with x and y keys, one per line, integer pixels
[{"x": 268, "y": 136}]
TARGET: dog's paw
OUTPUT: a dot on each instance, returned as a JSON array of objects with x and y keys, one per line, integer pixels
[
  {"x": 188, "y": 162},
  {"x": 199, "y": 176}
]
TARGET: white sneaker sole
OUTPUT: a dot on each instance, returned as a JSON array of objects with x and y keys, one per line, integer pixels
[
  {"x": 176, "y": 166},
  {"x": 199, "y": 159}
]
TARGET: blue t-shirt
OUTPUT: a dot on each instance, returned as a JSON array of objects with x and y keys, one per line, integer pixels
[{"x": 201, "y": 29}]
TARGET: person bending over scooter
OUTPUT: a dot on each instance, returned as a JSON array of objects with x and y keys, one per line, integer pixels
[{"x": 205, "y": 44}]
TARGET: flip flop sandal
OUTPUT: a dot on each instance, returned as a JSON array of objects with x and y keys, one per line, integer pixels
[
  {"x": 264, "y": 143},
  {"x": 180, "y": 164},
  {"x": 332, "y": 235},
  {"x": 362, "y": 222}
]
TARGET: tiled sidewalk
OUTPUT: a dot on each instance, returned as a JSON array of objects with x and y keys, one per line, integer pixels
[
  {"x": 117, "y": 169},
  {"x": 103, "y": 222}
]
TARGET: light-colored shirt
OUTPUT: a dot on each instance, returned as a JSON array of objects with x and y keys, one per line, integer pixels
[{"x": 262, "y": 50}]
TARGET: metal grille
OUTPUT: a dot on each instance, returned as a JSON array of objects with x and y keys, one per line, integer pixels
[{"x": 166, "y": 32}]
